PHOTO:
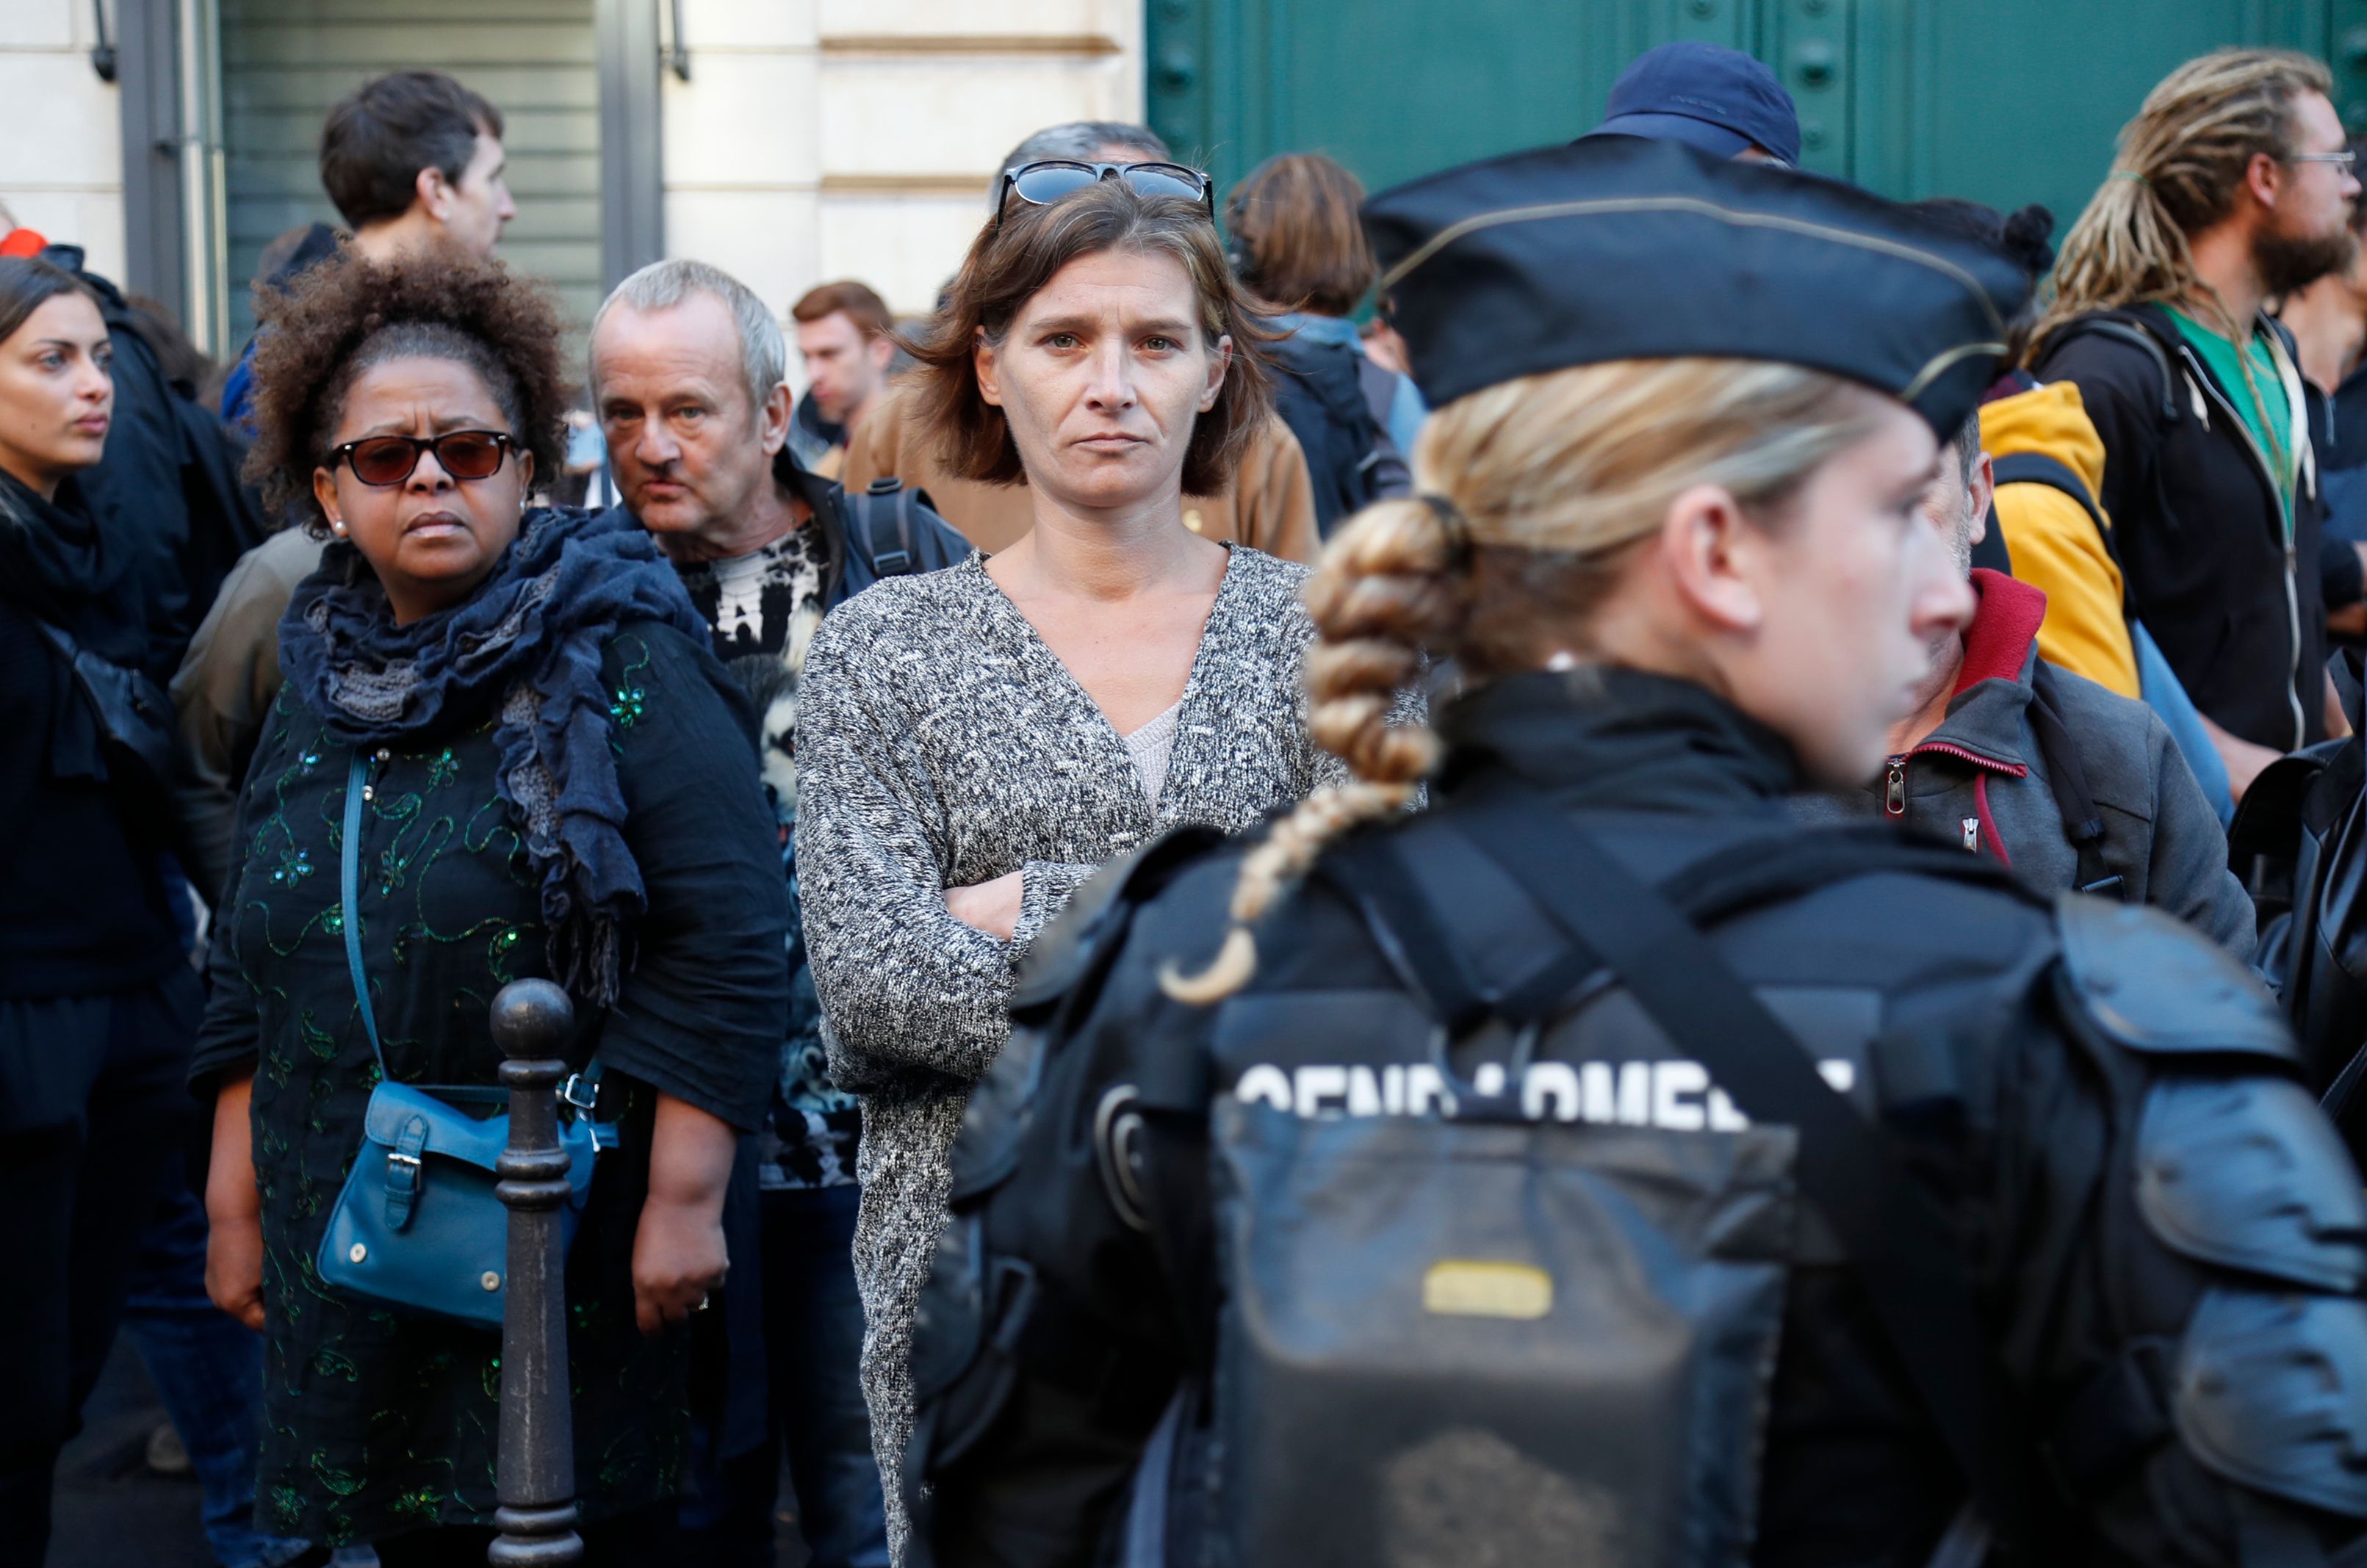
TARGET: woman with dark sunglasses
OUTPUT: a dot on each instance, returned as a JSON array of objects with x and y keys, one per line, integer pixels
[
  {"x": 553, "y": 780},
  {"x": 974, "y": 743}
]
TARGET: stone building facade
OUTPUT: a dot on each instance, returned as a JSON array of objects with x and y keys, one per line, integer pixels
[{"x": 790, "y": 141}]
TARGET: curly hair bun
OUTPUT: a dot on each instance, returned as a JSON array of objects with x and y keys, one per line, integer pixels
[
  {"x": 315, "y": 338},
  {"x": 2026, "y": 237}
]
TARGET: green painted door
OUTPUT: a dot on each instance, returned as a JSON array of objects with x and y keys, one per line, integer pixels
[{"x": 2002, "y": 101}]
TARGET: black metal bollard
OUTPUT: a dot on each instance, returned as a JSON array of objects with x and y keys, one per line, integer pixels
[{"x": 535, "y": 1482}]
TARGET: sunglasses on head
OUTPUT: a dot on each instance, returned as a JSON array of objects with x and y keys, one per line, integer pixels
[
  {"x": 1042, "y": 184},
  {"x": 387, "y": 460}
]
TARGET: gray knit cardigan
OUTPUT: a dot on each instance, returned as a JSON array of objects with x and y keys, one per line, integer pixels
[{"x": 941, "y": 743}]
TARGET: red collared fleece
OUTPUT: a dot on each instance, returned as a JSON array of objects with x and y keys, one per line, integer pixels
[{"x": 1979, "y": 780}]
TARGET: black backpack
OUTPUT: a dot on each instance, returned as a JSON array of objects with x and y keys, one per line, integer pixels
[
  {"x": 1321, "y": 392},
  {"x": 996, "y": 1331},
  {"x": 2299, "y": 842}
]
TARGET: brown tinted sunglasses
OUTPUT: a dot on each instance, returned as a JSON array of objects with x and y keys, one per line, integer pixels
[{"x": 387, "y": 460}]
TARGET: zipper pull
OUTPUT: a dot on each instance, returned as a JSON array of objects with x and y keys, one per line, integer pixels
[{"x": 1894, "y": 794}]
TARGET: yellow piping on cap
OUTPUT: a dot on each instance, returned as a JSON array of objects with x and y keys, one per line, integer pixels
[{"x": 1942, "y": 361}]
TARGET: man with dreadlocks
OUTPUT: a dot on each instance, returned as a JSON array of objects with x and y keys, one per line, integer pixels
[{"x": 2232, "y": 188}]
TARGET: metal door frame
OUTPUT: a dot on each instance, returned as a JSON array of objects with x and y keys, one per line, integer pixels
[
  {"x": 168, "y": 98},
  {"x": 632, "y": 171}
]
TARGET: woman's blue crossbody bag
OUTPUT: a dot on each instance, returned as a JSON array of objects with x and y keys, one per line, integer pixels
[{"x": 418, "y": 1224}]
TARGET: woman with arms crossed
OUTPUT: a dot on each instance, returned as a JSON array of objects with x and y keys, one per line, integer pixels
[{"x": 975, "y": 741}]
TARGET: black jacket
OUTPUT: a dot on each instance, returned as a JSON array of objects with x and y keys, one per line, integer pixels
[
  {"x": 2033, "y": 1091},
  {"x": 168, "y": 485},
  {"x": 83, "y": 905},
  {"x": 2236, "y": 608}
]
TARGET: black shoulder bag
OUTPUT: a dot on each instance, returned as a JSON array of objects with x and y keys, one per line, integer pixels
[{"x": 135, "y": 717}]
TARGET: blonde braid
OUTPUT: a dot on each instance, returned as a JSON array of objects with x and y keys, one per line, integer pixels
[{"x": 1389, "y": 590}]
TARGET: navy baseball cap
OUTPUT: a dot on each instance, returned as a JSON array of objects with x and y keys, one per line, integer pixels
[{"x": 1719, "y": 100}]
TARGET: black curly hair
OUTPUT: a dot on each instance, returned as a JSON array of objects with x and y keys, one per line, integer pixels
[
  {"x": 339, "y": 320},
  {"x": 2022, "y": 237}
]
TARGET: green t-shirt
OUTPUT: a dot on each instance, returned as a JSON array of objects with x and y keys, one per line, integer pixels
[{"x": 2271, "y": 426}]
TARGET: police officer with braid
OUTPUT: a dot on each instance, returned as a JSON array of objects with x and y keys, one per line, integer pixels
[{"x": 1597, "y": 1168}]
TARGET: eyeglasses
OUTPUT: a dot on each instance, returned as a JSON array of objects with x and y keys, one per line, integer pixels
[
  {"x": 1042, "y": 184},
  {"x": 387, "y": 460},
  {"x": 2345, "y": 159}
]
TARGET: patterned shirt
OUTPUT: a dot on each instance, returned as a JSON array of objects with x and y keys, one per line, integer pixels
[
  {"x": 764, "y": 607},
  {"x": 379, "y": 1421},
  {"x": 948, "y": 745}
]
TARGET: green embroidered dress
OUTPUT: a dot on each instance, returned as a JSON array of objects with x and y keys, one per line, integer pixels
[{"x": 378, "y": 1422}]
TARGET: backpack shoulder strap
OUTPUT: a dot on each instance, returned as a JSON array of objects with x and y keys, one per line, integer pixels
[
  {"x": 881, "y": 516},
  {"x": 1369, "y": 871},
  {"x": 2067, "y": 779},
  {"x": 2038, "y": 469},
  {"x": 1380, "y": 385},
  {"x": 2121, "y": 328}
]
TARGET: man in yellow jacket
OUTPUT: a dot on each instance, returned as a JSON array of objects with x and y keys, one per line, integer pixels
[{"x": 2055, "y": 545}]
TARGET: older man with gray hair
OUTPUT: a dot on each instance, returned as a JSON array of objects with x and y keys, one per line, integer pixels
[{"x": 686, "y": 377}]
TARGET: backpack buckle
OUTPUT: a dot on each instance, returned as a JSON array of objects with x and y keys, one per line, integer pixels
[{"x": 581, "y": 1093}]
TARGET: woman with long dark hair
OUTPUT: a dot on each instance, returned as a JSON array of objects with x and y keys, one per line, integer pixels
[
  {"x": 502, "y": 751},
  {"x": 97, "y": 1006}
]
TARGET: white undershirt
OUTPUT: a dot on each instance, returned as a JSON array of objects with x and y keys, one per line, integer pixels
[{"x": 1150, "y": 747}]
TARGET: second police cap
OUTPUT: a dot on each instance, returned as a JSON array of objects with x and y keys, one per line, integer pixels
[{"x": 1618, "y": 248}]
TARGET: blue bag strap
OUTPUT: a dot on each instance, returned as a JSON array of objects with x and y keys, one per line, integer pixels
[
  {"x": 581, "y": 1090},
  {"x": 349, "y": 879}
]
